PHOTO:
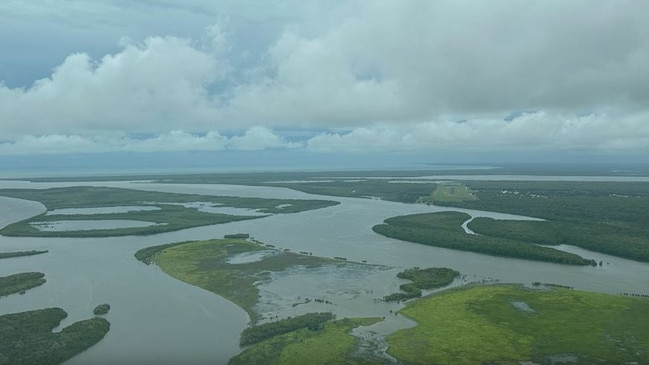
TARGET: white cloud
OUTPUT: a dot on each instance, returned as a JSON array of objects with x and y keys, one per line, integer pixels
[
  {"x": 529, "y": 132},
  {"x": 393, "y": 75},
  {"x": 254, "y": 138}
]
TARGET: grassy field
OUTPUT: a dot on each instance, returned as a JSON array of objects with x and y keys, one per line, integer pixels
[
  {"x": 444, "y": 230},
  {"x": 330, "y": 345},
  {"x": 170, "y": 215},
  {"x": 204, "y": 264},
  {"x": 19, "y": 283},
  {"x": 448, "y": 192},
  {"x": 505, "y": 324},
  {"x": 26, "y": 338}
]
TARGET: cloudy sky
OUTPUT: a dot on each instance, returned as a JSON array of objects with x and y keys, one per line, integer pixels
[{"x": 423, "y": 80}]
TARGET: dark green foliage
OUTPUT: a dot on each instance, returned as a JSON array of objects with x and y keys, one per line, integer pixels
[
  {"x": 170, "y": 216},
  {"x": 243, "y": 236},
  {"x": 146, "y": 254},
  {"x": 600, "y": 216},
  {"x": 5, "y": 255},
  {"x": 261, "y": 332},
  {"x": 444, "y": 230},
  {"x": 101, "y": 309},
  {"x": 27, "y": 339},
  {"x": 20, "y": 282},
  {"x": 430, "y": 278}
]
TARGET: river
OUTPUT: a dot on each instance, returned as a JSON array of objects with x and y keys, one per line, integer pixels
[{"x": 158, "y": 320}]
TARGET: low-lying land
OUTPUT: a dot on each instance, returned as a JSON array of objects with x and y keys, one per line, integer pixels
[
  {"x": 505, "y": 324},
  {"x": 205, "y": 264},
  {"x": 331, "y": 343},
  {"x": 606, "y": 217},
  {"x": 448, "y": 192},
  {"x": 444, "y": 229},
  {"x": 422, "y": 279},
  {"x": 6, "y": 255},
  {"x": 171, "y": 212},
  {"x": 26, "y": 338},
  {"x": 312, "y": 321},
  {"x": 19, "y": 283}
]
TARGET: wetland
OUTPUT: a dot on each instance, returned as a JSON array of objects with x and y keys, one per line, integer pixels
[{"x": 182, "y": 321}]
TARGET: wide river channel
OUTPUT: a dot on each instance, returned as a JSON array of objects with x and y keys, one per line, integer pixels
[{"x": 156, "y": 319}]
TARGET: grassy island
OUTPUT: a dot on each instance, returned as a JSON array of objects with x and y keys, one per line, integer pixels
[
  {"x": 506, "y": 324},
  {"x": 422, "y": 279},
  {"x": 206, "y": 265},
  {"x": 166, "y": 212},
  {"x": 19, "y": 283},
  {"x": 26, "y": 338},
  {"x": 444, "y": 230}
]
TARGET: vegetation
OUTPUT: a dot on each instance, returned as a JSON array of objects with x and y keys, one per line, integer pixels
[
  {"x": 331, "y": 344},
  {"x": 19, "y": 283},
  {"x": 606, "y": 217},
  {"x": 312, "y": 321},
  {"x": 444, "y": 230},
  {"x": 5, "y": 255},
  {"x": 448, "y": 192},
  {"x": 101, "y": 309},
  {"x": 205, "y": 264},
  {"x": 430, "y": 278},
  {"x": 171, "y": 215},
  {"x": 27, "y": 337},
  {"x": 243, "y": 236},
  {"x": 505, "y": 324}
]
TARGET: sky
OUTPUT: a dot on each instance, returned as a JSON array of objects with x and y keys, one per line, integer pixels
[{"x": 373, "y": 82}]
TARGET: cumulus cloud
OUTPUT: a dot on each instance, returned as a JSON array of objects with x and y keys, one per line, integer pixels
[
  {"x": 366, "y": 75},
  {"x": 535, "y": 131}
]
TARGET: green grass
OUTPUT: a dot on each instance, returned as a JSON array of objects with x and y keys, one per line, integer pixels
[
  {"x": 444, "y": 230},
  {"x": 6, "y": 255},
  {"x": 204, "y": 264},
  {"x": 478, "y": 325},
  {"x": 26, "y": 338},
  {"x": 170, "y": 216},
  {"x": 330, "y": 345},
  {"x": 19, "y": 283}
]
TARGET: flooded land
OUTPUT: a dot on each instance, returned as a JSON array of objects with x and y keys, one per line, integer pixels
[{"x": 342, "y": 266}]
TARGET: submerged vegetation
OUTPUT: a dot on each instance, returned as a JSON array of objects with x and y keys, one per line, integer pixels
[
  {"x": 171, "y": 211},
  {"x": 205, "y": 264},
  {"x": 505, "y": 324},
  {"x": 444, "y": 230},
  {"x": 19, "y": 283},
  {"x": 422, "y": 279},
  {"x": 26, "y": 338}
]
